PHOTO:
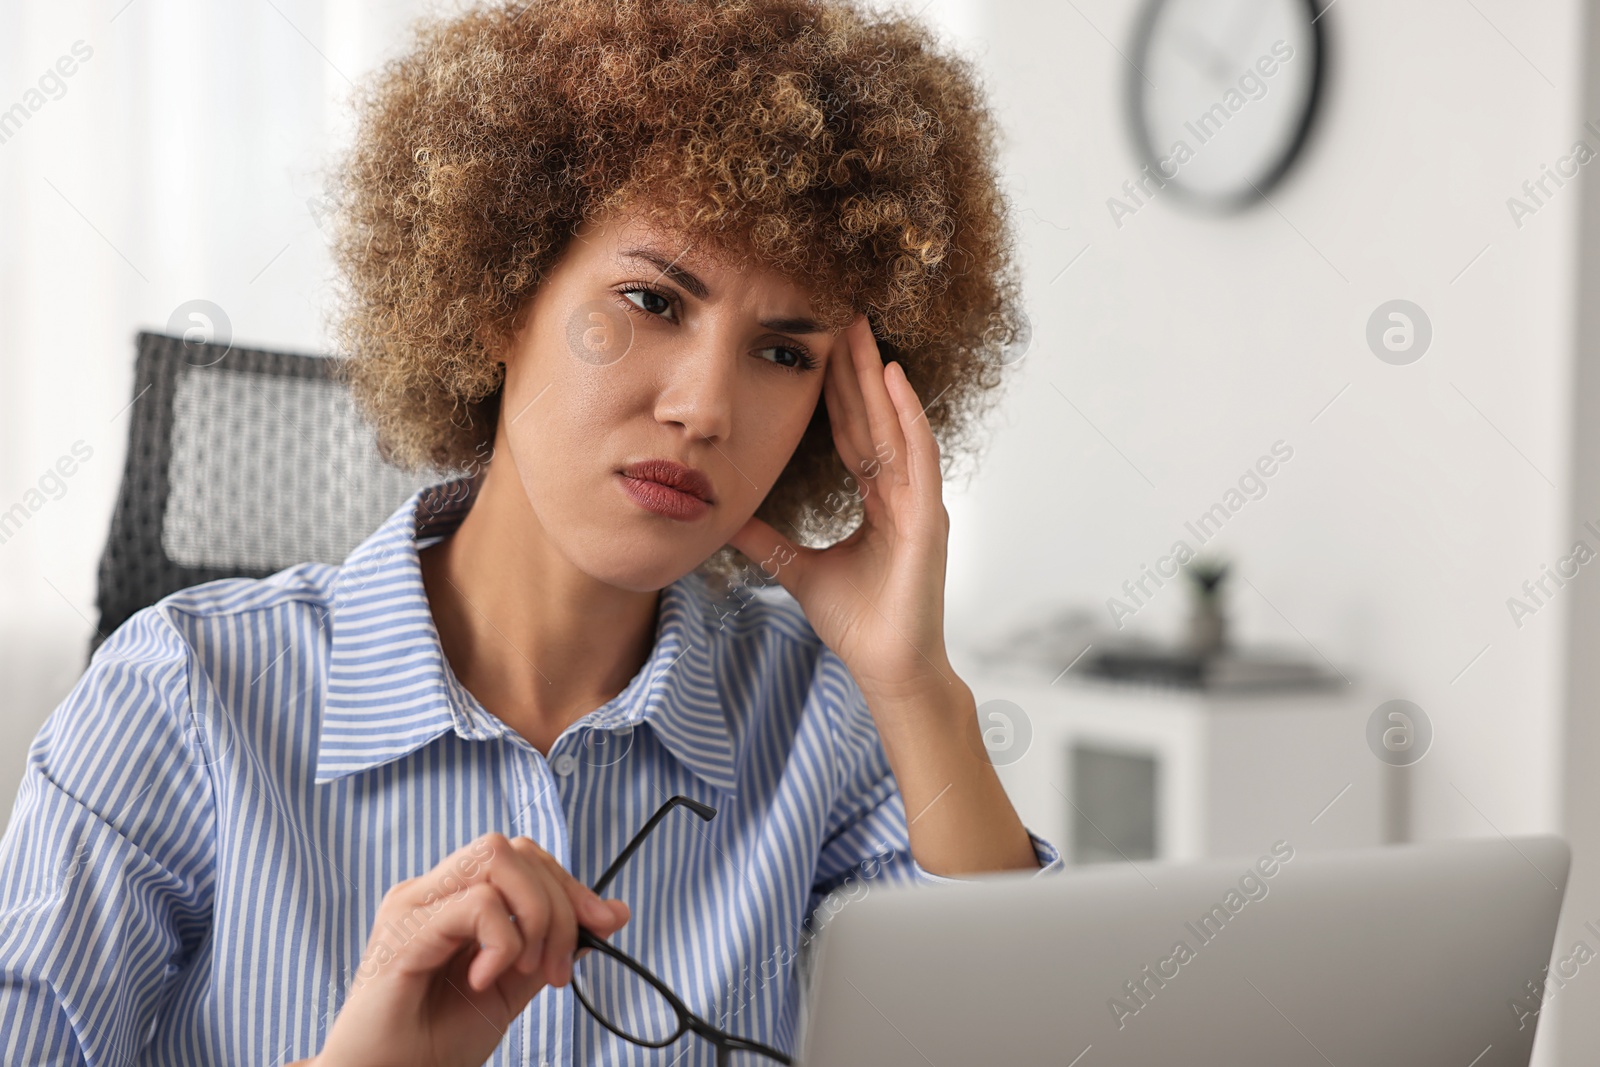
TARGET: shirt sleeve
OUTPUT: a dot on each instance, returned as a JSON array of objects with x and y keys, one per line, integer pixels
[
  {"x": 106, "y": 863},
  {"x": 866, "y": 838}
]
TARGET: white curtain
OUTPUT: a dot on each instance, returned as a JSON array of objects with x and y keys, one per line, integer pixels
[{"x": 152, "y": 152}]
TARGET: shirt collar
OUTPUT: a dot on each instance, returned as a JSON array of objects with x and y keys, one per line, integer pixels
[{"x": 391, "y": 690}]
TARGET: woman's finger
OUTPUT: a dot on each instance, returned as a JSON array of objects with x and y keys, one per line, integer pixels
[
  {"x": 475, "y": 915},
  {"x": 847, "y": 411},
  {"x": 561, "y": 934},
  {"x": 516, "y": 876},
  {"x": 882, "y": 421},
  {"x": 922, "y": 448},
  {"x": 594, "y": 912},
  {"x": 499, "y": 941}
]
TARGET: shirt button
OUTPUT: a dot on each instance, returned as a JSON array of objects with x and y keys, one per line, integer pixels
[{"x": 564, "y": 764}]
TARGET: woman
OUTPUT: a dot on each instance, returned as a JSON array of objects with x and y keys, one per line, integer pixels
[{"x": 663, "y": 284}]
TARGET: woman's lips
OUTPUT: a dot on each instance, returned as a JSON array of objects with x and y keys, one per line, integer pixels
[{"x": 662, "y": 499}]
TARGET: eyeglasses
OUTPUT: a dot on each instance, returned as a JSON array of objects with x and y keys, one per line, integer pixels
[{"x": 633, "y": 1003}]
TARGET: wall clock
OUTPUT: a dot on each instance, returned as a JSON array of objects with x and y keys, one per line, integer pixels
[{"x": 1222, "y": 94}]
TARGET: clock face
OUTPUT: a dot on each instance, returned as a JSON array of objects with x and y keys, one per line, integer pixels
[{"x": 1223, "y": 94}]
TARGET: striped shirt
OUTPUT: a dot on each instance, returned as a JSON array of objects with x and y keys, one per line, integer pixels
[{"x": 210, "y": 819}]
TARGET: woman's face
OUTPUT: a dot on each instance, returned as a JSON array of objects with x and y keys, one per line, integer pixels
[{"x": 639, "y": 346}]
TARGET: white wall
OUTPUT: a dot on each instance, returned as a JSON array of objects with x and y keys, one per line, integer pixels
[
  {"x": 1416, "y": 503},
  {"x": 1391, "y": 540}
]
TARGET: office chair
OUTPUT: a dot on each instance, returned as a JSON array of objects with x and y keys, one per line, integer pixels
[{"x": 240, "y": 462}]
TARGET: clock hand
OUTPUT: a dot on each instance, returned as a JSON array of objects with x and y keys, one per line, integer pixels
[
  {"x": 1203, "y": 53},
  {"x": 1236, "y": 40}
]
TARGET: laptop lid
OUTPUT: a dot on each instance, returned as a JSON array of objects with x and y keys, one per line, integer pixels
[{"x": 1428, "y": 955}]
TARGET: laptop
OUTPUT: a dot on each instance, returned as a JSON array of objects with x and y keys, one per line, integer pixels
[{"x": 1427, "y": 955}]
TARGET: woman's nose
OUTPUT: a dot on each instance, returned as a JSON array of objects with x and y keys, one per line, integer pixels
[{"x": 697, "y": 388}]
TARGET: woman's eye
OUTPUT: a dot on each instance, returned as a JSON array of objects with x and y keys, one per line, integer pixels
[
  {"x": 789, "y": 358},
  {"x": 649, "y": 300}
]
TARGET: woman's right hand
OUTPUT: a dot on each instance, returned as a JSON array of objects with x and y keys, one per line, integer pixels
[{"x": 426, "y": 994}]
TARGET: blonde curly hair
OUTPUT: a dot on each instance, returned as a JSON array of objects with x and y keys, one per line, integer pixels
[{"x": 843, "y": 149}]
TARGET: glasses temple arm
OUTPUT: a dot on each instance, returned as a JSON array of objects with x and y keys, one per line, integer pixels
[{"x": 705, "y": 811}]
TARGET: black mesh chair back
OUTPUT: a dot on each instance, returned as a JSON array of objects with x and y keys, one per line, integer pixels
[{"x": 240, "y": 462}]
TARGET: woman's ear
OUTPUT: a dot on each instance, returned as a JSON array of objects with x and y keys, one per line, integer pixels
[
  {"x": 497, "y": 345},
  {"x": 503, "y": 342},
  {"x": 488, "y": 340}
]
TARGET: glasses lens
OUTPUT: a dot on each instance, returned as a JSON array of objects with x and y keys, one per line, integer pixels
[{"x": 622, "y": 998}]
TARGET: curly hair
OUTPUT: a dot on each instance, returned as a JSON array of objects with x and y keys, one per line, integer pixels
[{"x": 844, "y": 150}]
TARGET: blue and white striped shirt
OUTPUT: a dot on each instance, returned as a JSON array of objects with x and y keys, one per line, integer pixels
[{"x": 209, "y": 820}]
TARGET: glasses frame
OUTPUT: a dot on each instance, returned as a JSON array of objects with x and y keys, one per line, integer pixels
[{"x": 725, "y": 1043}]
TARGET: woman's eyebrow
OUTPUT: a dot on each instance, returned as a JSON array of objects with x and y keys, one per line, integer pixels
[
  {"x": 793, "y": 325},
  {"x": 686, "y": 279},
  {"x": 670, "y": 268}
]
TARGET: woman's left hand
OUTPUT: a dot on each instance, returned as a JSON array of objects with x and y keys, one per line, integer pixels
[{"x": 877, "y": 597}]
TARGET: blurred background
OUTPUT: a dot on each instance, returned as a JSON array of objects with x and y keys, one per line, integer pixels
[{"x": 1341, "y": 348}]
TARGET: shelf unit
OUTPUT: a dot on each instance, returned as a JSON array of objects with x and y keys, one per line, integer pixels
[{"x": 1113, "y": 770}]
